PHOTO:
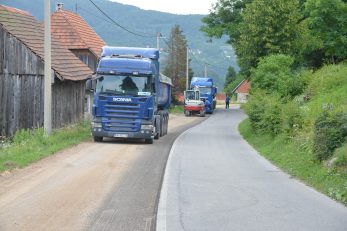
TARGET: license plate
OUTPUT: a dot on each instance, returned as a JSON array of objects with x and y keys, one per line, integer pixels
[{"x": 120, "y": 135}]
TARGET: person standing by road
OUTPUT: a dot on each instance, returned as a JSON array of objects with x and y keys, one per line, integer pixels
[{"x": 227, "y": 101}]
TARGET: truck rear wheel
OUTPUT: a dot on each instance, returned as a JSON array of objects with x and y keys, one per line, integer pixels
[{"x": 98, "y": 138}]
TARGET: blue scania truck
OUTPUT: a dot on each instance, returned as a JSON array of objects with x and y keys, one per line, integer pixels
[
  {"x": 131, "y": 97},
  {"x": 207, "y": 90}
]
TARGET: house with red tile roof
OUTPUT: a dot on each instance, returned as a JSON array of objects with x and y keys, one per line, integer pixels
[
  {"x": 242, "y": 91},
  {"x": 75, "y": 33},
  {"x": 22, "y": 75}
]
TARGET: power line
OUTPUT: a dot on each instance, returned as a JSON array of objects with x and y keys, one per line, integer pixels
[
  {"x": 203, "y": 63},
  {"x": 95, "y": 15},
  {"x": 116, "y": 23}
]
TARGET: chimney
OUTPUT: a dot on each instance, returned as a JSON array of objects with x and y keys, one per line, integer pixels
[{"x": 59, "y": 6}]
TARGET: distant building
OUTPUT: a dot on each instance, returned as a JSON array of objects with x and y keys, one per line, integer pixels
[
  {"x": 75, "y": 34},
  {"x": 22, "y": 75},
  {"x": 242, "y": 91}
]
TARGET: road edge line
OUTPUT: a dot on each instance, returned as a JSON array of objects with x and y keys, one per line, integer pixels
[{"x": 161, "y": 212}]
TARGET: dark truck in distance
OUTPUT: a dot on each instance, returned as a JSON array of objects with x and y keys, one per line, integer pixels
[{"x": 131, "y": 97}]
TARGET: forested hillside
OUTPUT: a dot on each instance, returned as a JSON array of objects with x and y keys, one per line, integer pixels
[{"x": 145, "y": 23}]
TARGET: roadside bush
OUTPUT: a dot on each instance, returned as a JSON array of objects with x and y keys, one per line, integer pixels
[
  {"x": 255, "y": 109},
  {"x": 330, "y": 131},
  {"x": 341, "y": 156},
  {"x": 271, "y": 122},
  {"x": 292, "y": 118},
  {"x": 264, "y": 112}
]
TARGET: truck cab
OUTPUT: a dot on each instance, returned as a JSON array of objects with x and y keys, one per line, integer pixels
[{"x": 131, "y": 97}]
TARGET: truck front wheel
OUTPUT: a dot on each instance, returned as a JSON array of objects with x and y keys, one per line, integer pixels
[{"x": 98, "y": 138}]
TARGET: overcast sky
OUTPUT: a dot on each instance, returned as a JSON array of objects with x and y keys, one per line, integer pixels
[{"x": 172, "y": 6}]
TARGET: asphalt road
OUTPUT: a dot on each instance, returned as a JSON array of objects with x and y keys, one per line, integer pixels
[{"x": 215, "y": 181}]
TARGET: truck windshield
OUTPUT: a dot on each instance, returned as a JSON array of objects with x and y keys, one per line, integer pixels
[
  {"x": 124, "y": 85},
  {"x": 205, "y": 90}
]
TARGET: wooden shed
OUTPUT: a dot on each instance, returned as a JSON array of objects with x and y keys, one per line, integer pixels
[{"x": 22, "y": 75}]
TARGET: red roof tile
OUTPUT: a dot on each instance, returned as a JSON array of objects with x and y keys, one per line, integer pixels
[
  {"x": 244, "y": 87},
  {"x": 25, "y": 28},
  {"x": 75, "y": 33}
]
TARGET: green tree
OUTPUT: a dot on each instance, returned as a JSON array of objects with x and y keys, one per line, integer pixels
[
  {"x": 327, "y": 20},
  {"x": 177, "y": 60},
  {"x": 274, "y": 75},
  {"x": 230, "y": 77},
  {"x": 224, "y": 19},
  {"x": 270, "y": 27}
]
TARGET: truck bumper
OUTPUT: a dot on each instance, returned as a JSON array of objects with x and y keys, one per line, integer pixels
[
  {"x": 143, "y": 134},
  {"x": 193, "y": 108}
]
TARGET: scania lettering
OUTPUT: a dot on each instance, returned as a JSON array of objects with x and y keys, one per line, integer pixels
[{"x": 121, "y": 100}]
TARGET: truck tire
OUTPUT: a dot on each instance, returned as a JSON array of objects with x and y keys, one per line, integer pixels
[
  {"x": 166, "y": 123},
  {"x": 162, "y": 123},
  {"x": 149, "y": 141},
  {"x": 157, "y": 129},
  {"x": 187, "y": 113},
  {"x": 98, "y": 138},
  {"x": 202, "y": 113}
]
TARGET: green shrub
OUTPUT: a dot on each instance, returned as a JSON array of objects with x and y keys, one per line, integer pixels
[
  {"x": 271, "y": 122},
  {"x": 264, "y": 112},
  {"x": 329, "y": 133},
  {"x": 292, "y": 118},
  {"x": 341, "y": 156},
  {"x": 255, "y": 109}
]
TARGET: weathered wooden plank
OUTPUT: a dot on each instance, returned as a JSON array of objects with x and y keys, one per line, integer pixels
[
  {"x": 10, "y": 110},
  {"x": 2, "y": 38},
  {"x": 2, "y": 103},
  {"x": 16, "y": 102}
]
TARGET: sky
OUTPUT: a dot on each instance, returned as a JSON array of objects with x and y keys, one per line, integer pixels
[{"x": 172, "y": 6}]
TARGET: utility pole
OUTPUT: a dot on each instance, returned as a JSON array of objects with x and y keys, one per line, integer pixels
[
  {"x": 187, "y": 70},
  {"x": 205, "y": 70},
  {"x": 158, "y": 40},
  {"x": 48, "y": 70}
]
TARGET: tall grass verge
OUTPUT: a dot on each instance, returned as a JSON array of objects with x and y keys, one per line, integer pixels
[
  {"x": 285, "y": 153},
  {"x": 28, "y": 146}
]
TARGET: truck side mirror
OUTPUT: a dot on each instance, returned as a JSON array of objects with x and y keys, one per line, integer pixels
[{"x": 89, "y": 85}]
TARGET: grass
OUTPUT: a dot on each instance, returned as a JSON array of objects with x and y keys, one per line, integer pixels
[
  {"x": 284, "y": 153},
  {"x": 176, "y": 109},
  {"x": 28, "y": 146}
]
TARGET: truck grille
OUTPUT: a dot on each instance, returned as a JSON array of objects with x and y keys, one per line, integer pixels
[{"x": 121, "y": 117}]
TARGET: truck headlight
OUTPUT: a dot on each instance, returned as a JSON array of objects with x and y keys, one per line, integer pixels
[
  {"x": 147, "y": 127},
  {"x": 96, "y": 125}
]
